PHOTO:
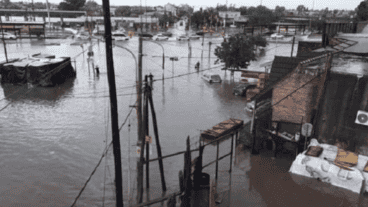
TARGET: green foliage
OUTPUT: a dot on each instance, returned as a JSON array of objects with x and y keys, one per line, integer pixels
[
  {"x": 71, "y": 5},
  {"x": 123, "y": 11},
  {"x": 362, "y": 11},
  {"x": 239, "y": 50},
  {"x": 279, "y": 12},
  {"x": 260, "y": 15},
  {"x": 164, "y": 19},
  {"x": 300, "y": 9},
  {"x": 92, "y": 8}
]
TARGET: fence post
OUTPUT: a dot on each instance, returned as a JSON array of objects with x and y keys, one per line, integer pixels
[
  {"x": 187, "y": 173},
  {"x": 231, "y": 155},
  {"x": 217, "y": 155}
]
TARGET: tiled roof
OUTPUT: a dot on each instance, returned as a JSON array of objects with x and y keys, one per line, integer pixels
[{"x": 281, "y": 66}]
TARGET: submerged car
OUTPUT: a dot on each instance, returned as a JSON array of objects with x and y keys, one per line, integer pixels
[
  {"x": 146, "y": 36},
  {"x": 241, "y": 89},
  {"x": 119, "y": 36},
  {"x": 277, "y": 36},
  {"x": 167, "y": 34},
  {"x": 182, "y": 37},
  {"x": 8, "y": 36},
  {"x": 194, "y": 37},
  {"x": 212, "y": 78},
  {"x": 160, "y": 37}
]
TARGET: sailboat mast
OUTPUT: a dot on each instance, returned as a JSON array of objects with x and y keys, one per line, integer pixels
[{"x": 113, "y": 104}]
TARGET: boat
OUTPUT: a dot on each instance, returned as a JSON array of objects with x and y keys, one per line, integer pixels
[
  {"x": 211, "y": 78},
  {"x": 39, "y": 69}
]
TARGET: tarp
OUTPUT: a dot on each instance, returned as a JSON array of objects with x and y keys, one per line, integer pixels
[{"x": 323, "y": 168}]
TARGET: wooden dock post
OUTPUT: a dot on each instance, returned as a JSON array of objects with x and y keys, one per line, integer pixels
[{"x": 158, "y": 146}]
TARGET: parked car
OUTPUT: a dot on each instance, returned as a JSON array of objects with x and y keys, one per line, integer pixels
[
  {"x": 119, "y": 36},
  {"x": 146, "y": 36},
  {"x": 160, "y": 37},
  {"x": 168, "y": 34},
  {"x": 211, "y": 78},
  {"x": 241, "y": 89},
  {"x": 8, "y": 36},
  {"x": 182, "y": 37}
]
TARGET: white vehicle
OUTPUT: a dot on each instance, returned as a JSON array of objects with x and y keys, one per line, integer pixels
[
  {"x": 211, "y": 78},
  {"x": 277, "y": 36},
  {"x": 119, "y": 36},
  {"x": 182, "y": 37},
  {"x": 160, "y": 37},
  {"x": 8, "y": 36}
]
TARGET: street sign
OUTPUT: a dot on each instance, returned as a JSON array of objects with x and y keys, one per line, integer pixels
[
  {"x": 307, "y": 129},
  {"x": 174, "y": 58}
]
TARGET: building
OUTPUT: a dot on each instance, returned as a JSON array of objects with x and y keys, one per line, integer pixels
[
  {"x": 229, "y": 16},
  {"x": 171, "y": 8},
  {"x": 324, "y": 86}
]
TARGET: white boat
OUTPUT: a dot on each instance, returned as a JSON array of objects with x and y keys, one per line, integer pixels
[{"x": 211, "y": 78}]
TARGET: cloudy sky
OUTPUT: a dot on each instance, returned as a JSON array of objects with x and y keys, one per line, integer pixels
[{"x": 271, "y": 4}]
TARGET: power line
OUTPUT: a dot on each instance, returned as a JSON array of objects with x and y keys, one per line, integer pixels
[{"x": 98, "y": 164}]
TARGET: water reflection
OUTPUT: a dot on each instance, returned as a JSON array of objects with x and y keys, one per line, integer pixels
[{"x": 37, "y": 94}]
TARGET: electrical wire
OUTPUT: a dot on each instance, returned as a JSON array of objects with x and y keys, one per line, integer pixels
[{"x": 98, "y": 164}]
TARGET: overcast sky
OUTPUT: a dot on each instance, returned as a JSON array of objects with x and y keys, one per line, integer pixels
[{"x": 271, "y": 4}]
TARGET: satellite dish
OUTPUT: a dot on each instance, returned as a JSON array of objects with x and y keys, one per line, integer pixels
[{"x": 307, "y": 129}]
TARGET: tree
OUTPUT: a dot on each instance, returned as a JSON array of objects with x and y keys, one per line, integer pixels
[
  {"x": 220, "y": 7},
  {"x": 39, "y": 5},
  {"x": 92, "y": 8},
  {"x": 362, "y": 11},
  {"x": 239, "y": 50},
  {"x": 243, "y": 10},
  {"x": 279, "y": 12},
  {"x": 71, "y": 5},
  {"x": 300, "y": 9},
  {"x": 260, "y": 15},
  {"x": 123, "y": 11}
]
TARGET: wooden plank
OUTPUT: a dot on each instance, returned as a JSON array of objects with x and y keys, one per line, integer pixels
[{"x": 250, "y": 75}]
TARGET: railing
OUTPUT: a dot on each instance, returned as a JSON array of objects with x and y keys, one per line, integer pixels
[{"x": 188, "y": 166}]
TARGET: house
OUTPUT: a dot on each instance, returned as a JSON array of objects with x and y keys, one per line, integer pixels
[
  {"x": 328, "y": 89},
  {"x": 171, "y": 8}
]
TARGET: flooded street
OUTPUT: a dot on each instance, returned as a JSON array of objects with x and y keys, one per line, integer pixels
[{"x": 52, "y": 138}]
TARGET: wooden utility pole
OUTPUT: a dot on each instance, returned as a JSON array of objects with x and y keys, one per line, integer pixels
[
  {"x": 113, "y": 104},
  {"x": 146, "y": 127},
  {"x": 158, "y": 146},
  {"x": 292, "y": 47},
  {"x": 140, "y": 133},
  {"x": 2, "y": 34}
]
